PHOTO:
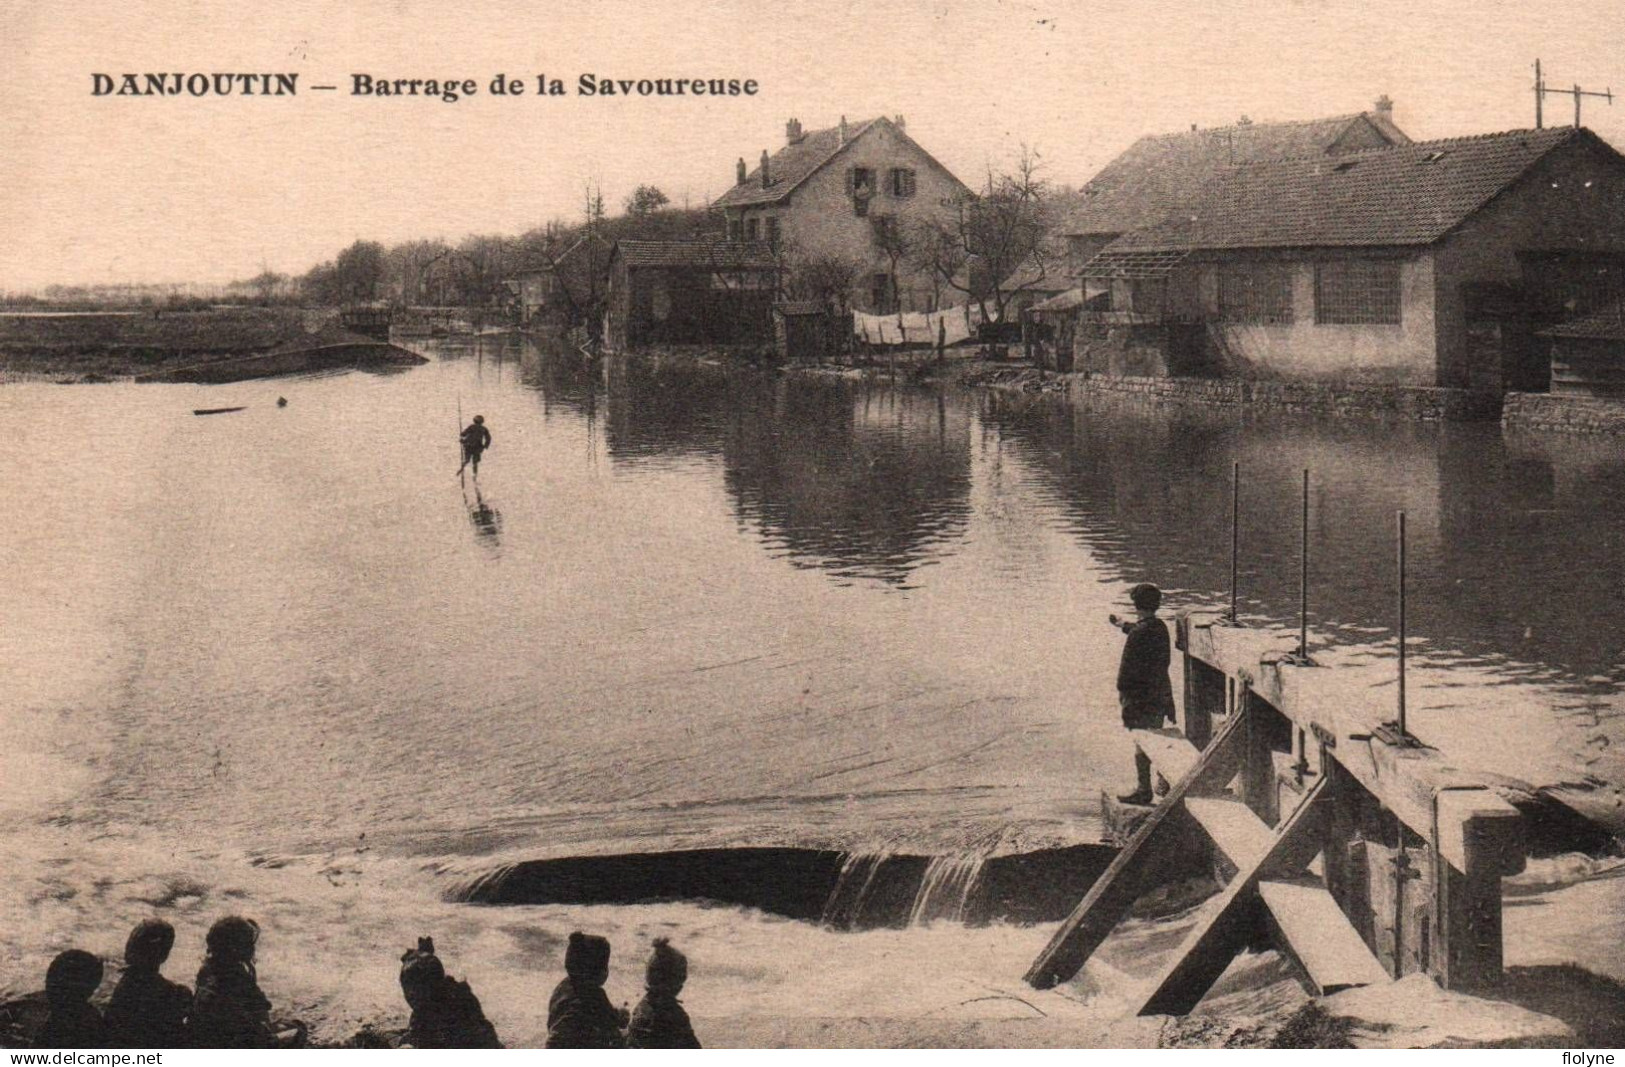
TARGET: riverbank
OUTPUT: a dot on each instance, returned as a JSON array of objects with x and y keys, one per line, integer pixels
[
  {"x": 334, "y": 927},
  {"x": 216, "y": 345}
]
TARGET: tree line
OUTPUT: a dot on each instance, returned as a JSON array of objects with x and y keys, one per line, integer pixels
[{"x": 1007, "y": 230}]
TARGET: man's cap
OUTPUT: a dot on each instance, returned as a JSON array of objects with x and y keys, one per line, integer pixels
[
  {"x": 1146, "y": 597},
  {"x": 479, "y": 419}
]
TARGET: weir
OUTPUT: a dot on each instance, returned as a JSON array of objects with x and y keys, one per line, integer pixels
[
  {"x": 856, "y": 890},
  {"x": 1363, "y": 854}
]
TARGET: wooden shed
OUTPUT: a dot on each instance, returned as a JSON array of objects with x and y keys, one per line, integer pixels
[
  {"x": 1588, "y": 354},
  {"x": 807, "y": 331},
  {"x": 708, "y": 291}
]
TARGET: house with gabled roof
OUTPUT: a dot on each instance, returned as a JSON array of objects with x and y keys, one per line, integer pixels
[
  {"x": 1430, "y": 264},
  {"x": 1161, "y": 173},
  {"x": 846, "y": 193}
]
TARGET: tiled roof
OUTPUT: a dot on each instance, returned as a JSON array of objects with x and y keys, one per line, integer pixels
[
  {"x": 1161, "y": 173},
  {"x": 1050, "y": 277},
  {"x": 791, "y": 165},
  {"x": 714, "y": 253},
  {"x": 1072, "y": 298},
  {"x": 1606, "y": 325},
  {"x": 1111, "y": 263},
  {"x": 1410, "y": 195}
]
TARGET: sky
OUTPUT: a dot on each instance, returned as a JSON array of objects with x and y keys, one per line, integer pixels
[{"x": 112, "y": 189}]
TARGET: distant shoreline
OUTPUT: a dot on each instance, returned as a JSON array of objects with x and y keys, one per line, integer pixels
[{"x": 216, "y": 345}]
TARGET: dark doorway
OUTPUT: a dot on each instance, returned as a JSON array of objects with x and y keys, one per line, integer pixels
[{"x": 1502, "y": 355}]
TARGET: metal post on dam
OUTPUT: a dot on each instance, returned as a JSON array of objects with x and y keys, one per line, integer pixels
[{"x": 1363, "y": 853}]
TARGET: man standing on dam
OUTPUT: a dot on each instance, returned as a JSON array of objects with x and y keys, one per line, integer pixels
[{"x": 1144, "y": 692}]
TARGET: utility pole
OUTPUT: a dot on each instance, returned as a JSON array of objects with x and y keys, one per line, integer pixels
[{"x": 1541, "y": 90}]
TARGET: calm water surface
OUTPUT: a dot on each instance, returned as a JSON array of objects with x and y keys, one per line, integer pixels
[{"x": 680, "y": 608}]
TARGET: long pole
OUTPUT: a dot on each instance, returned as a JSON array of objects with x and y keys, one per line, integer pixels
[
  {"x": 1402, "y": 732},
  {"x": 1235, "y": 531},
  {"x": 464, "y": 462},
  {"x": 1540, "y": 91},
  {"x": 1303, "y": 576}
]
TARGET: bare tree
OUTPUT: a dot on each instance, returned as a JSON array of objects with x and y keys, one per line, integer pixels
[
  {"x": 898, "y": 244},
  {"x": 981, "y": 241}
]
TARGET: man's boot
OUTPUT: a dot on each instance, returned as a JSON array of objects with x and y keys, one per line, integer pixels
[{"x": 1142, "y": 794}]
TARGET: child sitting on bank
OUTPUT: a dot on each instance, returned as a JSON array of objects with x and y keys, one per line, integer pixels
[
  {"x": 147, "y": 1009},
  {"x": 660, "y": 1021},
  {"x": 445, "y": 1012},
  {"x": 229, "y": 1010},
  {"x": 73, "y": 1021},
  {"x": 579, "y": 1014}
]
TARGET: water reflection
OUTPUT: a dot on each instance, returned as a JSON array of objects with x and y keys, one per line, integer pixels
[
  {"x": 1514, "y": 543},
  {"x": 487, "y": 520},
  {"x": 860, "y": 480},
  {"x": 864, "y": 481}
]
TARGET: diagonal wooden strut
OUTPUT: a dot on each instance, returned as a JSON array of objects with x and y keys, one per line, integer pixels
[
  {"x": 1209, "y": 948},
  {"x": 1115, "y": 892}
]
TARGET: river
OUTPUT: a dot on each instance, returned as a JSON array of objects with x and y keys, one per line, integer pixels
[{"x": 286, "y": 660}]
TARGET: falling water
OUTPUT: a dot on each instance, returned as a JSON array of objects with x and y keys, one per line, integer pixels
[
  {"x": 845, "y": 904},
  {"x": 945, "y": 889}
]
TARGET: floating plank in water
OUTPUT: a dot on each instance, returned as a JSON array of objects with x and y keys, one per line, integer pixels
[{"x": 215, "y": 411}]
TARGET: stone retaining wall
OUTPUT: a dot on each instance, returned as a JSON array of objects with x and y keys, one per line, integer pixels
[
  {"x": 1366, "y": 400},
  {"x": 1576, "y": 414}
]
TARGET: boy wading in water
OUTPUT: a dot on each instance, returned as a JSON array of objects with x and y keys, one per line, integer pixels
[
  {"x": 476, "y": 439},
  {"x": 1144, "y": 693}
]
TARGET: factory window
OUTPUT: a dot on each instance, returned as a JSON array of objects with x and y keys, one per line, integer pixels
[
  {"x": 1255, "y": 292},
  {"x": 1357, "y": 292}
]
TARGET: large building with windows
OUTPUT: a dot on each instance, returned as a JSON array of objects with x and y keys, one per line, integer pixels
[
  {"x": 1162, "y": 173},
  {"x": 848, "y": 196},
  {"x": 1424, "y": 264}
]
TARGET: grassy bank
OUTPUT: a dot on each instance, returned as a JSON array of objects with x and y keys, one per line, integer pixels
[{"x": 105, "y": 347}]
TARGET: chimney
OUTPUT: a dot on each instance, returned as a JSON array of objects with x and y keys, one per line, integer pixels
[
  {"x": 897, "y": 120},
  {"x": 1385, "y": 107},
  {"x": 1244, "y": 121},
  {"x": 740, "y": 171},
  {"x": 792, "y": 131},
  {"x": 843, "y": 129},
  {"x": 767, "y": 179}
]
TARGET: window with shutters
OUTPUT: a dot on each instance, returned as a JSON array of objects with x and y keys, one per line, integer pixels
[
  {"x": 901, "y": 182},
  {"x": 1255, "y": 292},
  {"x": 1357, "y": 292},
  {"x": 860, "y": 186}
]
